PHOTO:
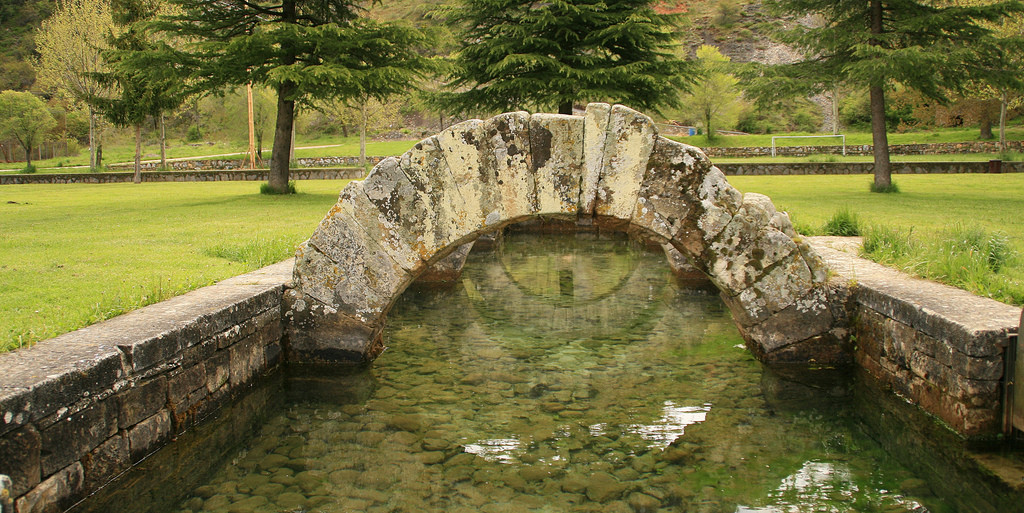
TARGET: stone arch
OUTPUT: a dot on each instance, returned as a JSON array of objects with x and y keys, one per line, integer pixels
[{"x": 609, "y": 165}]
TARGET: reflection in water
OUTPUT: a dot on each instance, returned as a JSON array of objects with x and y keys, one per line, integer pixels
[
  {"x": 564, "y": 374},
  {"x": 825, "y": 487},
  {"x": 499, "y": 450},
  {"x": 671, "y": 425}
]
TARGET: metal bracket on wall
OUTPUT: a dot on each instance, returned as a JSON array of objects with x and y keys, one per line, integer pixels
[{"x": 6, "y": 501}]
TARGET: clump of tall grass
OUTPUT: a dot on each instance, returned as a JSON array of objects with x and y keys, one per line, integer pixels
[
  {"x": 970, "y": 258},
  {"x": 266, "y": 189},
  {"x": 843, "y": 223},
  {"x": 892, "y": 188},
  {"x": 888, "y": 245},
  {"x": 259, "y": 252}
]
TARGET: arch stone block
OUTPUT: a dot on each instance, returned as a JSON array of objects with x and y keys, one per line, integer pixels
[
  {"x": 464, "y": 150},
  {"x": 427, "y": 169},
  {"x": 628, "y": 145},
  {"x": 556, "y": 146},
  {"x": 480, "y": 175}
]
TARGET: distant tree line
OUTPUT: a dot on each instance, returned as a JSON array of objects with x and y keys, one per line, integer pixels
[{"x": 144, "y": 64}]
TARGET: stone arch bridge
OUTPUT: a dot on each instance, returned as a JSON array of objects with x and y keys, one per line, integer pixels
[{"x": 609, "y": 165}]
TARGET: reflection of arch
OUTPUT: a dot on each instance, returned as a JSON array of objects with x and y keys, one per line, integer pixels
[
  {"x": 621, "y": 282},
  {"x": 609, "y": 165},
  {"x": 626, "y": 307}
]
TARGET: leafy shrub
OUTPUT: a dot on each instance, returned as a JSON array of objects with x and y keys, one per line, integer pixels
[
  {"x": 29, "y": 169},
  {"x": 193, "y": 134},
  {"x": 844, "y": 223}
]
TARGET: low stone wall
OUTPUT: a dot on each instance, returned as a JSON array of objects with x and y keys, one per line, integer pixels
[
  {"x": 240, "y": 163},
  {"x": 77, "y": 410},
  {"x": 183, "y": 176},
  {"x": 857, "y": 168},
  {"x": 937, "y": 346},
  {"x": 865, "y": 149}
]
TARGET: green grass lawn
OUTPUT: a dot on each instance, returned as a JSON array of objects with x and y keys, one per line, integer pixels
[
  {"x": 932, "y": 211},
  {"x": 71, "y": 255}
]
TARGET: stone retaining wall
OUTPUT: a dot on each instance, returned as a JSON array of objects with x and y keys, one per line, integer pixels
[
  {"x": 77, "y": 410},
  {"x": 763, "y": 169},
  {"x": 937, "y": 346},
  {"x": 183, "y": 176},
  {"x": 855, "y": 168},
  {"x": 865, "y": 149},
  {"x": 240, "y": 163}
]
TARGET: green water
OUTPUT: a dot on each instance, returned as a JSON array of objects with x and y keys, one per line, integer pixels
[{"x": 562, "y": 373}]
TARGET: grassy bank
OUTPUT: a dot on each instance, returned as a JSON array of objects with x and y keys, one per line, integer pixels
[
  {"x": 74, "y": 255},
  {"x": 946, "y": 226}
]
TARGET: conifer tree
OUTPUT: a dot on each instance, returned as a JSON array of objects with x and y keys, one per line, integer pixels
[
  {"x": 304, "y": 49},
  {"x": 141, "y": 91},
  {"x": 930, "y": 46},
  {"x": 517, "y": 54}
]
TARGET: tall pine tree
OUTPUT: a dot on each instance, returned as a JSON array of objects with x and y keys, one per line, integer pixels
[
  {"x": 930, "y": 46},
  {"x": 303, "y": 49},
  {"x": 142, "y": 92},
  {"x": 517, "y": 54}
]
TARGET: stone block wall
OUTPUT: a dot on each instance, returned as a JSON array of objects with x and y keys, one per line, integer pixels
[
  {"x": 857, "y": 168},
  {"x": 222, "y": 164},
  {"x": 77, "y": 410},
  {"x": 865, "y": 149},
  {"x": 937, "y": 346},
  {"x": 183, "y": 176}
]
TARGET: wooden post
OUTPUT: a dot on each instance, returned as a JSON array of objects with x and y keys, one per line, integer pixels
[{"x": 252, "y": 128}]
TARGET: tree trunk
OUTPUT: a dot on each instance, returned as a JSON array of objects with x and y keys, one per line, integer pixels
[
  {"x": 282, "y": 139},
  {"x": 709, "y": 133},
  {"x": 565, "y": 108},
  {"x": 28, "y": 155},
  {"x": 99, "y": 155},
  {"x": 835, "y": 111},
  {"x": 1003, "y": 100},
  {"x": 163, "y": 144},
  {"x": 879, "y": 137},
  {"x": 362, "y": 136},
  {"x": 93, "y": 161},
  {"x": 137, "y": 178},
  {"x": 985, "y": 121}
]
